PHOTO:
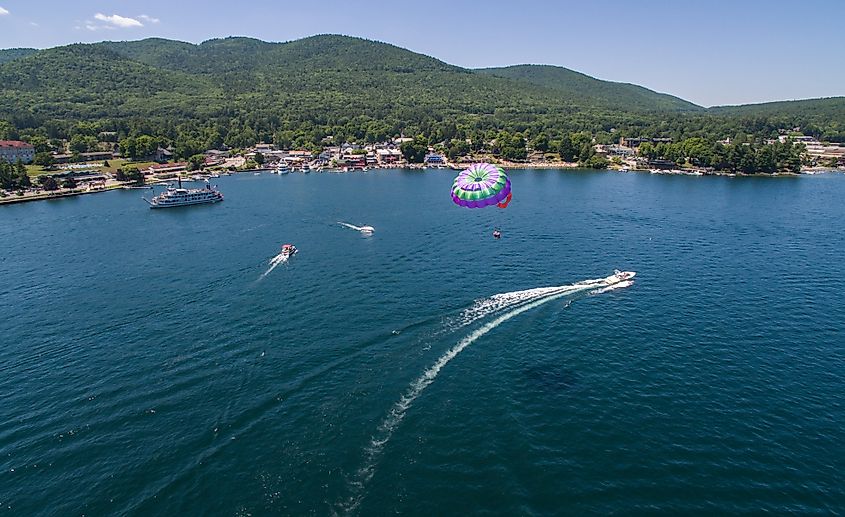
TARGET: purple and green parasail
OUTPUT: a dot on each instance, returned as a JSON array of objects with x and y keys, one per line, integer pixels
[{"x": 482, "y": 184}]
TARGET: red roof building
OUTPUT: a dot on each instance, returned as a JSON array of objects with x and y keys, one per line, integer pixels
[{"x": 14, "y": 151}]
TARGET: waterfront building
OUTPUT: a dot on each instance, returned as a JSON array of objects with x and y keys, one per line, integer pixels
[
  {"x": 388, "y": 156},
  {"x": 434, "y": 159},
  {"x": 14, "y": 151}
]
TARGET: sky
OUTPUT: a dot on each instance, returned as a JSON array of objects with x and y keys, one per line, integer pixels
[{"x": 711, "y": 52}]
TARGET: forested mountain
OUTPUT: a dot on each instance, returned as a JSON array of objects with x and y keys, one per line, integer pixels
[
  {"x": 14, "y": 53},
  {"x": 237, "y": 91},
  {"x": 578, "y": 87}
]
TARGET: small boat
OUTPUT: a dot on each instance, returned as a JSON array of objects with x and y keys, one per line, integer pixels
[
  {"x": 619, "y": 276},
  {"x": 497, "y": 234},
  {"x": 287, "y": 251},
  {"x": 367, "y": 230}
]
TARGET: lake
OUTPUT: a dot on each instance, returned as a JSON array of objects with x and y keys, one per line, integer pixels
[{"x": 151, "y": 364}]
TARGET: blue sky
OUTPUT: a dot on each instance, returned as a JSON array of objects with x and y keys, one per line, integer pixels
[{"x": 710, "y": 52}]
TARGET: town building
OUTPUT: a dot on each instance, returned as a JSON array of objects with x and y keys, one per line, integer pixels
[
  {"x": 14, "y": 151},
  {"x": 163, "y": 155},
  {"x": 434, "y": 159},
  {"x": 388, "y": 156}
]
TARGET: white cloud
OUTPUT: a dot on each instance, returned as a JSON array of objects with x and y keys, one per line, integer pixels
[
  {"x": 116, "y": 20},
  {"x": 3, "y": 11},
  {"x": 149, "y": 19},
  {"x": 34, "y": 24}
]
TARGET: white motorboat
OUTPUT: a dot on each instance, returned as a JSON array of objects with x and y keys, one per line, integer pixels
[
  {"x": 619, "y": 276},
  {"x": 618, "y": 285}
]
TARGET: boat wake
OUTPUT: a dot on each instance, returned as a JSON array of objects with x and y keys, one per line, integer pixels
[
  {"x": 366, "y": 230},
  {"x": 507, "y": 306},
  {"x": 281, "y": 258}
]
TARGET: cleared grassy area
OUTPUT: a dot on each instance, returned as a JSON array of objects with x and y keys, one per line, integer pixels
[{"x": 114, "y": 165}]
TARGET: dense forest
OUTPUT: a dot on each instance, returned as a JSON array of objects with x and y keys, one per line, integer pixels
[{"x": 307, "y": 93}]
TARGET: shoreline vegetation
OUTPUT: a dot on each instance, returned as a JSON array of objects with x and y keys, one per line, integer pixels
[
  {"x": 200, "y": 175},
  {"x": 338, "y": 102}
]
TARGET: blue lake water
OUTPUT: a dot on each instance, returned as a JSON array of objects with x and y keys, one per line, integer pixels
[{"x": 149, "y": 367}]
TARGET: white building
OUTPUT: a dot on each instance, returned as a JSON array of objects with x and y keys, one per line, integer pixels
[{"x": 14, "y": 151}]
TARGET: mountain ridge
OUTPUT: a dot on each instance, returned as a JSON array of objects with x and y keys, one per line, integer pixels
[{"x": 354, "y": 86}]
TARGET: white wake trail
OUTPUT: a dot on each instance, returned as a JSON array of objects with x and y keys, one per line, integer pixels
[
  {"x": 349, "y": 225},
  {"x": 522, "y": 300},
  {"x": 275, "y": 261}
]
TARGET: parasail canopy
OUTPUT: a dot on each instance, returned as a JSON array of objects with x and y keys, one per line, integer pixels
[{"x": 482, "y": 184}]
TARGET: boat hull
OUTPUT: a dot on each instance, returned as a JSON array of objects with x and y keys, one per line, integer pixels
[{"x": 189, "y": 203}]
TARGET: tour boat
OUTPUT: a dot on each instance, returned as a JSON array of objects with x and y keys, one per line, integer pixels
[
  {"x": 184, "y": 197},
  {"x": 282, "y": 167}
]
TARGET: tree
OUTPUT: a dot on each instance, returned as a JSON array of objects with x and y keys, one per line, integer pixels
[
  {"x": 7, "y": 177},
  {"x": 415, "y": 151},
  {"x": 196, "y": 162},
  {"x": 69, "y": 182},
  {"x": 23, "y": 180},
  {"x": 44, "y": 159},
  {"x": 540, "y": 142},
  {"x": 129, "y": 148},
  {"x": 585, "y": 153},
  {"x": 647, "y": 150},
  {"x": 131, "y": 174},
  {"x": 259, "y": 158},
  {"x": 48, "y": 183},
  {"x": 145, "y": 146},
  {"x": 567, "y": 150},
  {"x": 597, "y": 162}
]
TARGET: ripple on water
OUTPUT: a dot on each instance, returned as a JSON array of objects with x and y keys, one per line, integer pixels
[{"x": 159, "y": 375}]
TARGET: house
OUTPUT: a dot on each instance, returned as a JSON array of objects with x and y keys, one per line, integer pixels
[
  {"x": 166, "y": 167},
  {"x": 619, "y": 150},
  {"x": 264, "y": 148},
  {"x": 632, "y": 143},
  {"x": 162, "y": 155},
  {"x": 14, "y": 151},
  {"x": 98, "y": 156},
  {"x": 300, "y": 154},
  {"x": 215, "y": 153},
  {"x": 388, "y": 156},
  {"x": 434, "y": 159}
]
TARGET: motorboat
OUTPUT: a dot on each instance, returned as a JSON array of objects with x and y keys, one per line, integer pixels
[
  {"x": 620, "y": 276},
  {"x": 497, "y": 234},
  {"x": 367, "y": 230},
  {"x": 287, "y": 251},
  {"x": 618, "y": 285},
  {"x": 282, "y": 168}
]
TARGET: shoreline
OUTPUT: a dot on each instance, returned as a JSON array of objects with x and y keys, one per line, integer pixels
[{"x": 15, "y": 199}]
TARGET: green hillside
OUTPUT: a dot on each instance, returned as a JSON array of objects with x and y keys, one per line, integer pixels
[
  {"x": 236, "y": 91},
  {"x": 578, "y": 87},
  {"x": 10, "y": 54}
]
